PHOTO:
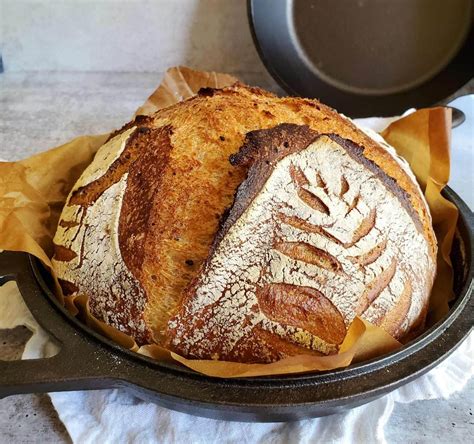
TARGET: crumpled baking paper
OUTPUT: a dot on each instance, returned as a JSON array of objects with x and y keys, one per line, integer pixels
[{"x": 33, "y": 191}]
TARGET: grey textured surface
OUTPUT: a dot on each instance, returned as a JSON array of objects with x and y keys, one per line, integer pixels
[
  {"x": 42, "y": 110},
  {"x": 434, "y": 421},
  {"x": 126, "y": 35},
  {"x": 12, "y": 342},
  {"x": 26, "y": 418}
]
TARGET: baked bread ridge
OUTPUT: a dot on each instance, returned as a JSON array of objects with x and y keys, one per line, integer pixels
[
  {"x": 100, "y": 241},
  {"x": 317, "y": 234},
  {"x": 193, "y": 185}
]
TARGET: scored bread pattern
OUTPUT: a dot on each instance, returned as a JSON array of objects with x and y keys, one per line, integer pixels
[
  {"x": 101, "y": 238},
  {"x": 324, "y": 240},
  {"x": 169, "y": 181},
  {"x": 88, "y": 257}
]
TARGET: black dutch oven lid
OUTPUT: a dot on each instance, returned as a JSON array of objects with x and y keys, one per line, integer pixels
[{"x": 366, "y": 57}]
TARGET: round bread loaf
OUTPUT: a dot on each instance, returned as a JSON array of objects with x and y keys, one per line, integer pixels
[{"x": 327, "y": 224}]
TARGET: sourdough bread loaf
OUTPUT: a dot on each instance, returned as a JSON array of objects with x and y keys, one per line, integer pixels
[
  {"x": 317, "y": 235},
  {"x": 138, "y": 231}
]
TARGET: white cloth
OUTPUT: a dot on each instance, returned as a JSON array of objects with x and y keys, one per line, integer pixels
[{"x": 114, "y": 416}]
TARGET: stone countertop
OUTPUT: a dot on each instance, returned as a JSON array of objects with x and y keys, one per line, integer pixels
[{"x": 42, "y": 110}]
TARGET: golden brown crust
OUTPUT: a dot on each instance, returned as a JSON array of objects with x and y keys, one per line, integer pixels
[
  {"x": 243, "y": 109},
  {"x": 145, "y": 175},
  {"x": 195, "y": 183},
  {"x": 302, "y": 307}
]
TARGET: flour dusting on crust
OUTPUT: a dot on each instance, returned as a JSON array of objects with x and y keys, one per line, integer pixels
[
  {"x": 90, "y": 236},
  {"x": 322, "y": 221}
]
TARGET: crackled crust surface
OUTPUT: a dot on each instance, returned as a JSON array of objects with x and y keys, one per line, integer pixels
[
  {"x": 141, "y": 220},
  {"x": 317, "y": 234}
]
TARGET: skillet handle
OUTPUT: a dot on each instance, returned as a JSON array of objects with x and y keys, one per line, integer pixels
[{"x": 74, "y": 368}]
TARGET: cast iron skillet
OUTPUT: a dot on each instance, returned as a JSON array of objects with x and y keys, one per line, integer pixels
[
  {"x": 366, "y": 57},
  {"x": 88, "y": 361}
]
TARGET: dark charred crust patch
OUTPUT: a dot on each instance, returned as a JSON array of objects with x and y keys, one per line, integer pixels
[
  {"x": 154, "y": 147},
  {"x": 138, "y": 121},
  {"x": 207, "y": 92},
  {"x": 273, "y": 144}
]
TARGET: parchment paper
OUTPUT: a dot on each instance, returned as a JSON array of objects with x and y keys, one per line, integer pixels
[{"x": 33, "y": 192}]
